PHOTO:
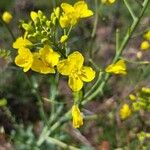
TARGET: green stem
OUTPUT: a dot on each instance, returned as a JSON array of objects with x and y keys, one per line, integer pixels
[
  {"x": 94, "y": 86},
  {"x": 46, "y": 131},
  {"x": 117, "y": 39},
  {"x": 96, "y": 19},
  {"x": 9, "y": 30},
  {"x": 130, "y": 9},
  {"x": 61, "y": 144}
]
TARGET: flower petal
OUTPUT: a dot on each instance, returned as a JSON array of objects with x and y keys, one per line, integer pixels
[
  {"x": 49, "y": 56},
  {"x": 64, "y": 67},
  {"x": 24, "y": 59},
  {"x": 76, "y": 116},
  {"x": 87, "y": 74},
  {"x": 20, "y": 43},
  {"x": 76, "y": 59},
  {"x": 75, "y": 83},
  {"x": 39, "y": 66},
  {"x": 67, "y": 8},
  {"x": 82, "y": 10}
]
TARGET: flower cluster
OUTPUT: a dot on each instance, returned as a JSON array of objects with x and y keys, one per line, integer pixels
[
  {"x": 145, "y": 45},
  {"x": 141, "y": 99},
  {"x": 72, "y": 14},
  {"x": 42, "y": 51}
]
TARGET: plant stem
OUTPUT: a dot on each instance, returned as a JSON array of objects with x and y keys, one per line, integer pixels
[
  {"x": 96, "y": 19},
  {"x": 61, "y": 144},
  {"x": 9, "y": 30},
  {"x": 130, "y": 9}
]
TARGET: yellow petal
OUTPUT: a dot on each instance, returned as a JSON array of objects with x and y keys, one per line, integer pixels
[
  {"x": 64, "y": 21},
  {"x": 87, "y": 74},
  {"x": 76, "y": 59},
  {"x": 77, "y": 117},
  {"x": 21, "y": 42},
  {"x": 67, "y": 8},
  {"x": 39, "y": 66},
  {"x": 49, "y": 56},
  {"x": 64, "y": 67},
  {"x": 75, "y": 83},
  {"x": 24, "y": 59},
  {"x": 82, "y": 9}
]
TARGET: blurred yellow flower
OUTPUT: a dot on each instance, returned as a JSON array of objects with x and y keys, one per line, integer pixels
[
  {"x": 45, "y": 60},
  {"x": 72, "y": 14},
  {"x": 146, "y": 90},
  {"x": 3, "y": 102},
  {"x": 21, "y": 42},
  {"x": 132, "y": 97},
  {"x": 117, "y": 68},
  {"x": 145, "y": 45},
  {"x": 57, "y": 12},
  {"x": 147, "y": 35},
  {"x": 125, "y": 111},
  {"x": 77, "y": 117},
  {"x": 73, "y": 67},
  {"x": 64, "y": 38},
  {"x": 7, "y": 17},
  {"x": 108, "y": 1},
  {"x": 24, "y": 59}
]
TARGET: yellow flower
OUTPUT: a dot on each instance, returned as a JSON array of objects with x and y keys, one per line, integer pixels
[
  {"x": 117, "y": 68},
  {"x": 72, "y": 14},
  {"x": 24, "y": 59},
  {"x": 73, "y": 67},
  {"x": 21, "y": 42},
  {"x": 77, "y": 117},
  {"x": 125, "y": 111},
  {"x": 45, "y": 60},
  {"x": 63, "y": 38},
  {"x": 108, "y": 1},
  {"x": 147, "y": 35},
  {"x": 145, "y": 45},
  {"x": 7, "y": 17}
]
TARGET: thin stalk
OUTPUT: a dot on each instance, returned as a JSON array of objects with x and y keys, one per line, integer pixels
[
  {"x": 39, "y": 98},
  {"x": 8, "y": 29},
  {"x": 117, "y": 40},
  {"x": 96, "y": 19},
  {"x": 61, "y": 144},
  {"x": 130, "y": 9}
]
